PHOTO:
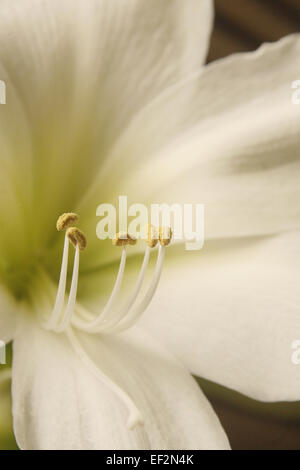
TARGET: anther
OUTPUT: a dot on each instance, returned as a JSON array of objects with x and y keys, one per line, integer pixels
[
  {"x": 123, "y": 239},
  {"x": 76, "y": 237},
  {"x": 152, "y": 236},
  {"x": 66, "y": 220},
  {"x": 165, "y": 236}
]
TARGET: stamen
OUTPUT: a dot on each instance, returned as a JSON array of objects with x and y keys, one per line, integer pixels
[
  {"x": 107, "y": 321},
  {"x": 77, "y": 238},
  {"x": 135, "y": 314},
  {"x": 152, "y": 236},
  {"x": 165, "y": 236},
  {"x": 115, "y": 322},
  {"x": 109, "y": 326},
  {"x": 73, "y": 293},
  {"x": 66, "y": 220},
  {"x": 123, "y": 239},
  {"x": 60, "y": 296},
  {"x": 135, "y": 416},
  {"x": 92, "y": 326}
]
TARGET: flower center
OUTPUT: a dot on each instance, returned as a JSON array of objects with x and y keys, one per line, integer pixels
[{"x": 64, "y": 319}]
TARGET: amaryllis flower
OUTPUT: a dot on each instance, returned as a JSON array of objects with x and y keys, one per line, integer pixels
[{"x": 107, "y": 98}]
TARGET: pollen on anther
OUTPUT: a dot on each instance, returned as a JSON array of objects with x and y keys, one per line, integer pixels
[
  {"x": 123, "y": 239},
  {"x": 165, "y": 236},
  {"x": 76, "y": 237},
  {"x": 152, "y": 236},
  {"x": 66, "y": 220}
]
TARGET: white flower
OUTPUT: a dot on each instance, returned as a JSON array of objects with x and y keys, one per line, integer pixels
[{"x": 93, "y": 110}]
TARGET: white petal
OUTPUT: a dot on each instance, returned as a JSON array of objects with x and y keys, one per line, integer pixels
[
  {"x": 228, "y": 138},
  {"x": 76, "y": 72},
  {"x": 58, "y": 403},
  {"x": 8, "y": 315},
  {"x": 82, "y": 69},
  {"x": 231, "y": 314}
]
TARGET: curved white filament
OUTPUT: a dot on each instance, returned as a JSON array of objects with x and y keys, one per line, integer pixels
[
  {"x": 60, "y": 296},
  {"x": 136, "y": 313},
  {"x": 93, "y": 325},
  {"x": 135, "y": 416},
  {"x": 72, "y": 296},
  {"x": 115, "y": 318},
  {"x": 108, "y": 321}
]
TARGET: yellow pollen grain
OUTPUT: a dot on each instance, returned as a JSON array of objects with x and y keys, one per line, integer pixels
[
  {"x": 165, "y": 236},
  {"x": 76, "y": 237},
  {"x": 66, "y": 220},
  {"x": 123, "y": 239},
  {"x": 152, "y": 236}
]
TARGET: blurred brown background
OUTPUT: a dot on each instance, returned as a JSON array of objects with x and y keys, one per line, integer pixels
[{"x": 240, "y": 26}]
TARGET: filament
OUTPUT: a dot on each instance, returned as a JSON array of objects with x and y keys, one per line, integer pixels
[
  {"x": 116, "y": 318},
  {"x": 109, "y": 320},
  {"x": 60, "y": 296},
  {"x": 135, "y": 314},
  {"x": 73, "y": 293},
  {"x": 93, "y": 325}
]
